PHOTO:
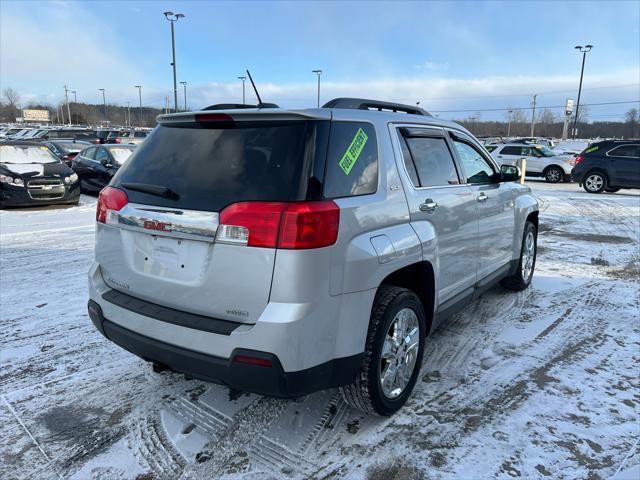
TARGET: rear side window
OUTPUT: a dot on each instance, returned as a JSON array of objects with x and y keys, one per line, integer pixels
[
  {"x": 352, "y": 160},
  {"x": 213, "y": 165},
  {"x": 625, "y": 151},
  {"x": 433, "y": 161},
  {"x": 89, "y": 153},
  {"x": 511, "y": 151}
]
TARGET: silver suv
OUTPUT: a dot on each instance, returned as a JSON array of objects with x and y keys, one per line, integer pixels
[{"x": 288, "y": 251}]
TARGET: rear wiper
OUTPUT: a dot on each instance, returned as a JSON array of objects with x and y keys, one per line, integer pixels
[{"x": 157, "y": 190}]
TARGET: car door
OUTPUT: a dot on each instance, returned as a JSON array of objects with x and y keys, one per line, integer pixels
[
  {"x": 103, "y": 168},
  {"x": 82, "y": 164},
  {"x": 495, "y": 201},
  {"x": 508, "y": 155},
  {"x": 625, "y": 165},
  {"x": 535, "y": 161},
  {"x": 439, "y": 204}
]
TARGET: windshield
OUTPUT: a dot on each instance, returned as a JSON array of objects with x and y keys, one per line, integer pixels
[
  {"x": 121, "y": 155},
  {"x": 545, "y": 151},
  {"x": 22, "y": 154}
]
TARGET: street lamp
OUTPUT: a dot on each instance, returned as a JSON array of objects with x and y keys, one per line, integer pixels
[
  {"x": 173, "y": 18},
  {"x": 584, "y": 51},
  {"x": 104, "y": 102},
  {"x": 184, "y": 85},
  {"x": 243, "y": 80},
  {"x": 318, "y": 73},
  {"x": 139, "y": 87}
]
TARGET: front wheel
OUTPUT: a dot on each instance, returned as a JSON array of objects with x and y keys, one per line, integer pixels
[
  {"x": 521, "y": 278},
  {"x": 393, "y": 353},
  {"x": 595, "y": 182},
  {"x": 553, "y": 175}
]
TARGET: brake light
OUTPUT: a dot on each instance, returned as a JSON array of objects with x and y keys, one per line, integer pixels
[
  {"x": 117, "y": 140},
  {"x": 255, "y": 361},
  {"x": 213, "y": 117},
  {"x": 297, "y": 225},
  {"x": 579, "y": 159},
  {"x": 110, "y": 198}
]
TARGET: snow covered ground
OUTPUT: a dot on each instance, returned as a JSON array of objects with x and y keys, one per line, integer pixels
[{"x": 539, "y": 384}]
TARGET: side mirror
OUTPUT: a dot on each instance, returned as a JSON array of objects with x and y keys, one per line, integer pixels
[{"x": 510, "y": 173}]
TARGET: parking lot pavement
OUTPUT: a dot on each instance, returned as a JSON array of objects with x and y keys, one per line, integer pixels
[{"x": 542, "y": 383}]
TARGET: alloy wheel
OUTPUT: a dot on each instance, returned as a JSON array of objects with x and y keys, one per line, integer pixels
[
  {"x": 528, "y": 256},
  {"x": 399, "y": 353}
]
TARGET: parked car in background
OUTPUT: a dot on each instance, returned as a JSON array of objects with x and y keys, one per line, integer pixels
[
  {"x": 66, "y": 150},
  {"x": 608, "y": 166},
  {"x": 30, "y": 174},
  {"x": 86, "y": 135},
  {"x": 547, "y": 142},
  {"x": 541, "y": 160},
  {"x": 285, "y": 252},
  {"x": 131, "y": 136},
  {"x": 96, "y": 165}
]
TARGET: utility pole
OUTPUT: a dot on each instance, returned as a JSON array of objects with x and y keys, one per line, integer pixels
[
  {"x": 184, "y": 86},
  {"x": 509, "y": 126},
  {"x": 128, "y": 113},
  {"x": 66, "y": 97},
  {"x": 533, "y": 115},
  {"x": 318, "y": 73},
  {"x": 173, "y": 18},
  {"x": 75, "y": 97},
  {"x": 243, "y": 80},
  {"x": 104, "y": 102},
  {"x": 584, "y": 51},
  {"x": 139, "y": 87}
]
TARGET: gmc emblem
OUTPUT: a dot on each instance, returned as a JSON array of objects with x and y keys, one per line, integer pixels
[{"x": 155, "y": 225}]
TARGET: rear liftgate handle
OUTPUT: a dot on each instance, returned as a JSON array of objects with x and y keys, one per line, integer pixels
[{"x": 428, "y": 206}]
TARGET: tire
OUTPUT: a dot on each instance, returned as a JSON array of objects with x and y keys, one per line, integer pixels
[
  {"x": 367, "y": 393},
  {"x": 611, "y": 189},
  {"x": 594, "y": 182},
  {"x": 554, "y": 175},
  {"x": 520, "y": 280}
]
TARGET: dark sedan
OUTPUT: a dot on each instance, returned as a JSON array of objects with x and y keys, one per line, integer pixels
[
  {"x": 30, "y": 175},
  {"x": 66, "y": 150},
  {"x": 97, "y": 164}
]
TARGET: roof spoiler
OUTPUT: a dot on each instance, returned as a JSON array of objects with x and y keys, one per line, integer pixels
[
  {"x": 237, "y": 106},
  {"x": 365, "y": 104}
]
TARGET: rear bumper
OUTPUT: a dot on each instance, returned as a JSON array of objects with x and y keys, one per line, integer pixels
[{"x": 267, "y": 379}]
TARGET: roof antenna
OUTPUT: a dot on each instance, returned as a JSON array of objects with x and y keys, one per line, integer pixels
[{"x": 255, "y": 89}]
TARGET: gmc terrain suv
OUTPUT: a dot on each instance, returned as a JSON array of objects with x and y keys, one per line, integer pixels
[
  {"x": 608, "y": 166},
  {"x": 288, "y": 251}
]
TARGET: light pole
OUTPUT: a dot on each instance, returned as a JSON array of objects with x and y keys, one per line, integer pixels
[
  {"x": 173, "y": 18},
  {"x": 139, "y": 87},
  {"x": 243, "y": 80},
  {"x": 533, "y": 114},
  {"x": 75, "y": 97},
  {"x": 184, "y": 86},
  {"x": 509, "y": 125},
  {"x": 584, "y": 51},
  {"x": 104, "y": 102},
  {"x": 318, "y": 73},
  {"x": 66, "y": 97}
]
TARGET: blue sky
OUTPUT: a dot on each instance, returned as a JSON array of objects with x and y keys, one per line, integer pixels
[{"x": 448, "y": 55}]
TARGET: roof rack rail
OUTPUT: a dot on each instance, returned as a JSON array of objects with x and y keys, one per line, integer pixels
[
  {"x": 364, "y": 104},
  {"x": 234, "y": 106}
]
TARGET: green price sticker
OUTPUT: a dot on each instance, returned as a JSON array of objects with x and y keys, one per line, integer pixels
[
  {"x": 349, "y": 158},
  {"x": 592, "y": 149}
]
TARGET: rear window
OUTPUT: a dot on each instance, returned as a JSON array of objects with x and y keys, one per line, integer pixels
[{"x": 213, "y": 165}]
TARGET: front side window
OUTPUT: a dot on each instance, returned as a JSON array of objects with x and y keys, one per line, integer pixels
[
  {"x": 352, "y": 160},
  {"x": 474, "y": 166},
  {"x": 433, "y": 161},
  {"x": 102, "y": 156}
]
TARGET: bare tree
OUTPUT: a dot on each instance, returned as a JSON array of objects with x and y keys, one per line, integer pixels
[
  {"x": 12, "y": 99},
  {"x": 632, "y": 117}
]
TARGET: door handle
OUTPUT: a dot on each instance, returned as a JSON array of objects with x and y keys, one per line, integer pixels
[
  {"x": 482, "y": 197},
  {"x": 428, "y": 206}
]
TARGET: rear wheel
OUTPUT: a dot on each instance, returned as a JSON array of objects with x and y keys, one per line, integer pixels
[
  {"x": 553, "y": 175},
  {"x": 521, "y": 279},
  {"x": 594, "y": 182},
  {"x": 393, "y": 353}
]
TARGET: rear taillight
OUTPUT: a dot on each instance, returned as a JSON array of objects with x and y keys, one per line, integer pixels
[
  {"x": 117, "y": 140},
  {"x": 297, "y": 225},
  {"x": 579, "y": 159},
  {"x": 110, "y": 198}
]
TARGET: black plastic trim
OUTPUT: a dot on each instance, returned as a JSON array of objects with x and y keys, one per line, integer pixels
[
  {"x": 170, "y": 315},
  {"x": 272, "y": 381}
]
